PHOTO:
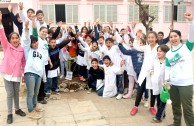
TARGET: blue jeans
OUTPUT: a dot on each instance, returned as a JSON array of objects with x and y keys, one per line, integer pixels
[
  {"x": 161, "y": 108},
  {"x": 120, "y": 85},
  {"x": 32, "y": 84},
  {"x": 54, "y": 82}
]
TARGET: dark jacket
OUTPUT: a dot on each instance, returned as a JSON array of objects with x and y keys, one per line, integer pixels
[
  {"x": 96, "y": 74},
  {"x": 18, "y": 24},
  {"x": 163, "y": 41},
  {"x": 137, "y": 57},
  {"x": 54, "y": 54}
]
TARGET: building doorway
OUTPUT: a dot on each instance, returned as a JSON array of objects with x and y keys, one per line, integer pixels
[{"x": 60, "y": 12}]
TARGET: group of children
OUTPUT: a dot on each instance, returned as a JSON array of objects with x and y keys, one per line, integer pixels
[{"x": 111, "y": 62}]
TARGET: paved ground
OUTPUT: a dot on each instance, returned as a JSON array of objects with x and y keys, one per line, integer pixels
[{"x": 82, "y": 109}]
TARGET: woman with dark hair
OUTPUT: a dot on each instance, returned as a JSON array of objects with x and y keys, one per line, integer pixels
[{"x": 179, "y": 74}]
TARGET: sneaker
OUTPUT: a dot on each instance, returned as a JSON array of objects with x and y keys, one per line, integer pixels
[
  {"x": 153, "y": 111},
  {"x": 84, "y": 80},
  {"x": 61, "y": 76},
  {"x": 10, "y": 119},
  {"x": 43, "y": 101},
  {"x": 154, "y": 120},
  {"x": 146, "y": 104},
  {"x": 56, "y": 92},
  {"x": 34, "y": 115},
  {"x": 89, "y": 91},
  {"x": 134, "y": 110},
  {"x": 38, "y": 109},
  {"x": 119, "y": 96},
  {"x": 20, "y": 112},
  {"x": 126, "y": 96},
  {"x": 48, "y": 94}
]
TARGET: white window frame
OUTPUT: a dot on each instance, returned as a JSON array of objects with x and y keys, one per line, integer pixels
[
  {"x": 106, "y": 20},
  {"x": 182, "y": 15},
  {"x": 156, "y": 20},
  {"x": 169, "y": 13},
  {"x": 72, "y": 13},
  {"x": 48, "y": 15},
  {"x": 133, "y": 14},
  {"x": 178, "y": 14}
]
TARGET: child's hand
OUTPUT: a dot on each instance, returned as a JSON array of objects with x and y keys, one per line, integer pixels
[
  {"x": 21, "y": 5},
  {"x": 59, "y": 23},
  {"x": 128, "y": 28},
  {"x": 133, "y": 24},
  {"x": 121, "y": 41},
  {"x": 167, "y": 85},
  {"x": 0, "y": 17},
  {"x": 74, "y": 24},
  {"x": 90, "y": 57},
  {"x": 111, "y": 24},
  {"x": 100, "y": 23},
  {"x": 51, "y": 65},
  {"x": 63, "y": 28},
  {"x": 9, "y": 8},
  {"x": 33, "y": 16},
  {"x": 171, "y": 27},
  {"x": 89, "y": 22},
  {"x": 50, "y": 21},
  {"x": 79, "y": 44},
  {"x": 95, "y": 23},
  {"x": 78, "y": 34},
  {"x": 97, "y": 20},
  {"x": 188, "y": 16},
  {"x": 72, "y": 38},
  {"x": 122, "y": 62}
]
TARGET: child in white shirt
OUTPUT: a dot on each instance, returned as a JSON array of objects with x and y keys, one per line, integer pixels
[
  {"x": 110, "y": 70},
  {"x": 157, "y": 72}
]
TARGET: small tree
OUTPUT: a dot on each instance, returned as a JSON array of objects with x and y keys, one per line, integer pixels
[{"x": 145, "y": 18}]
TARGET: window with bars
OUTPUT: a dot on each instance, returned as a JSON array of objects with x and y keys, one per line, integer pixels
[
  {"x": 154, "y": 11},
  {"x": 60, "y": 12},
  {"x": 105, "y": 13},
  {"x": 49, "y": 12},
  {"x": 178, "y": 13},
  {"x": 71, "y": 13},
  {"x": 134, "y": 12}
]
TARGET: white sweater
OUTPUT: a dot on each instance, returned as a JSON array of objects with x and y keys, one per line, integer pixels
[
  {"x": 179, "y": 62},
  {"x": 34, "y": 59}
]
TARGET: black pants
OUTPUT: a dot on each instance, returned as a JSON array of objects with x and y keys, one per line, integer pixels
[
  {"x": 140, "y": 91},
  {"x": 126, "y": 80},
  {"x": 82, "y": 71},
  {"x": 41, "y": 94},
  {"x": 92, "y": 82}
]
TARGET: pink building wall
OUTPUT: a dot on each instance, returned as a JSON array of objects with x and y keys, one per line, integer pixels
[{"x": 86, "y": 11}]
